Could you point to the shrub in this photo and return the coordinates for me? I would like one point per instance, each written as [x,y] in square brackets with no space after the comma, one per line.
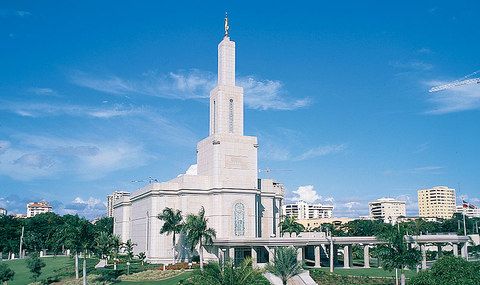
[150,275]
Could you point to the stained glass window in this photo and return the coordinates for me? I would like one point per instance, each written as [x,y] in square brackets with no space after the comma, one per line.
[231,115]
[239,216]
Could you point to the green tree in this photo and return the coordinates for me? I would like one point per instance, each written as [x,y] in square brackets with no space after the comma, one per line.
[289,225]
[198,232]
[227,274]
[102,245]
[35,265]
[395,253]
[128,247]
[142,256]
[172,224]
[285,264]
[104,224]
[449,270]
[6,273]
[115,244]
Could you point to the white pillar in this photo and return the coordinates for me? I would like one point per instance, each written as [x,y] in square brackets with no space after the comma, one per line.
[300,254]
[366,257]
[317,256]
[463,250]
[424,257]
[231,253]
[332,253]
[254,257]
[455,249]
[271,255]
[346,256]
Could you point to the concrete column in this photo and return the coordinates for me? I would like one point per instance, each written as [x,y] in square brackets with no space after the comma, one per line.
[300,254]
[317,256]
[13,256]
[332,253]
[424,257]
[220,255]
[231,253]
[439,250]
[366,257]
[254,257]
[347,256]
[455,249]
[271,255]
[463,250]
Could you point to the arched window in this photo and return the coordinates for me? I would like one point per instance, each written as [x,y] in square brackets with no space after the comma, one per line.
[231,115]
[239,216]
[214,115]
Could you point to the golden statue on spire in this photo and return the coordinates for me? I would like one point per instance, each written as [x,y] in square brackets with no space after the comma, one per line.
[226,25]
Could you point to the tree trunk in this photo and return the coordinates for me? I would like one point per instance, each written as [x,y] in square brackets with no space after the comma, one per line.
[76,265]
[402,278]
[173,248]
[200,253]
[84,270]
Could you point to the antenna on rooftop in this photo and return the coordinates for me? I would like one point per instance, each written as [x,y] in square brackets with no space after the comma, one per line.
[150,180]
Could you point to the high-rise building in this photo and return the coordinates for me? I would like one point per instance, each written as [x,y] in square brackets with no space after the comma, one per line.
[36,208]
[302,210]
[438,202]
[111,200]
[386,209]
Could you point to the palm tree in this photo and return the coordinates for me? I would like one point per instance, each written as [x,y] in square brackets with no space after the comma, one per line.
[395,253]
[172,224]
[289,225]
[197,232]
[114,242]
[142,256]
[217,273]
[285,264]
[128,247]
[103,247]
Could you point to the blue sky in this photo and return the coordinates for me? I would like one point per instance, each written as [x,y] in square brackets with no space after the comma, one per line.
[96,94]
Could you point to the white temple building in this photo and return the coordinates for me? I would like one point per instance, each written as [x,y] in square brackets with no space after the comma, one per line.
[237,204]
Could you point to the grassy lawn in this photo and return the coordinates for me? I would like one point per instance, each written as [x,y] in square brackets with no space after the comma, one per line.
[371,272]
[53,266]
[169,281]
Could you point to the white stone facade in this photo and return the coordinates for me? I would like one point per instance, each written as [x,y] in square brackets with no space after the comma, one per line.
[111,199]
[386,209]
[237,204]
[304,211]
[36,208]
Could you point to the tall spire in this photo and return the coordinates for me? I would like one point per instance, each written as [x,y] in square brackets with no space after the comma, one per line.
[226,25]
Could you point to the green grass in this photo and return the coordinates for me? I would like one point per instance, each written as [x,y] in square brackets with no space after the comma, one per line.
[53,266]
[169,281]
[370,272]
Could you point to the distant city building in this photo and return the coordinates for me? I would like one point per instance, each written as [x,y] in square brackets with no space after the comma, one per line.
[3,211]
[386,209]
[438,202]
[111,200]
[302,210]
[469,212]
[310,224]
[19,216]
[36,208]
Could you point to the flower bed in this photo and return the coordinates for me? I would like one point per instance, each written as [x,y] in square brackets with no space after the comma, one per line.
[150,275]
[178,266]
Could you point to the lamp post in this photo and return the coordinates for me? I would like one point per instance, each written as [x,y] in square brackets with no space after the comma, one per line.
[224,258]
[128,267]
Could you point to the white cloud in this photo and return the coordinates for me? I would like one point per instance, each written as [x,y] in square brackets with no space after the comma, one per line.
[413,65]
[193,84]
[41,157]
[321,151]
[456,99]
[306,193]
[11,12]
[434,170]
[45,109]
